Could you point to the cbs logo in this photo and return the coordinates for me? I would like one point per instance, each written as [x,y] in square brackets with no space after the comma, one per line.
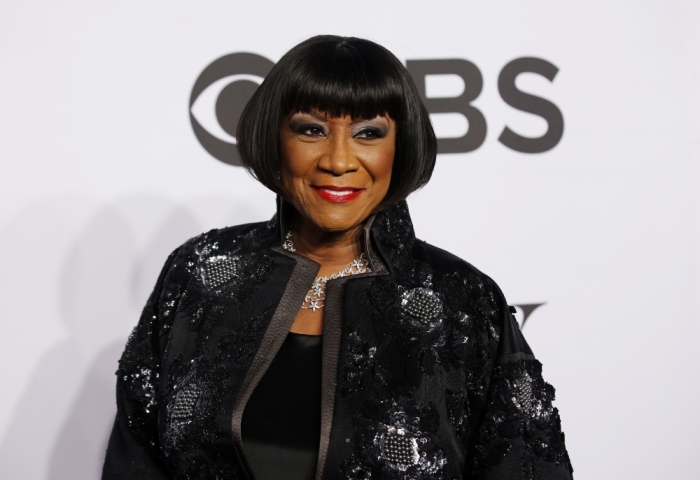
[224,87]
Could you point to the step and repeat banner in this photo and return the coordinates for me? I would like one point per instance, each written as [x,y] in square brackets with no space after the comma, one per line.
[568,172]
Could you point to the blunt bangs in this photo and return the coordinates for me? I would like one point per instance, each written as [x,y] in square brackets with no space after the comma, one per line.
[345,79]
[339,76]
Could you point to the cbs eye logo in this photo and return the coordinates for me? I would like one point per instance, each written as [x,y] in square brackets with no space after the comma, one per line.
[218,98]
[225,86]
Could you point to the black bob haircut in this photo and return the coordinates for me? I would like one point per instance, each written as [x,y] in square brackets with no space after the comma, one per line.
[339,76]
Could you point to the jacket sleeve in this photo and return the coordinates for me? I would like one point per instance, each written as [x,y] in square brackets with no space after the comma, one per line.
[133,450]
[520,436]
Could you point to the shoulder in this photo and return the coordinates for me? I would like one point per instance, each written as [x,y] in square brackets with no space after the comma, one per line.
[238,238]
[466,289]
[216,249]
[444,264]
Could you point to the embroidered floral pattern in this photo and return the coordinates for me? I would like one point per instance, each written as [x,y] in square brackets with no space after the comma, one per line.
[359,361]
[195,395]
[398,444]
[221,278]
[218,270]
[521,410]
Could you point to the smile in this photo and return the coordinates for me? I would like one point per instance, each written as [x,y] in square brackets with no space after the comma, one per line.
[337,194]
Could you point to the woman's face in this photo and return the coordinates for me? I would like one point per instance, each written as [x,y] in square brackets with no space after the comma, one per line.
[336,170]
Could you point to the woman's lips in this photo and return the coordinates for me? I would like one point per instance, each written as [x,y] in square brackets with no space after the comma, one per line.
[337,194]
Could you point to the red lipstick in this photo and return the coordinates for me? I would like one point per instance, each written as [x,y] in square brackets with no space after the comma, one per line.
[335,194]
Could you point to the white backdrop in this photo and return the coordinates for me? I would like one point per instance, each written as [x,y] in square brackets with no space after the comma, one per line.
[102,176]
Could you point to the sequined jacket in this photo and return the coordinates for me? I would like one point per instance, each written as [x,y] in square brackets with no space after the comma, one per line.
[425,372]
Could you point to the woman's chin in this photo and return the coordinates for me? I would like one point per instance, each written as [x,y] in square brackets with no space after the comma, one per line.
[336,227]
[337,224]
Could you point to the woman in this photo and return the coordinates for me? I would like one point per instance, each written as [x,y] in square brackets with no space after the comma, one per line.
[329,342]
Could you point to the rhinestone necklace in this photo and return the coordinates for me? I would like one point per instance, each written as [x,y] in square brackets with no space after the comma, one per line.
[314,300]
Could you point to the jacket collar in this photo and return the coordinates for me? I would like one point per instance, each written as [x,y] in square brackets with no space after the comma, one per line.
[388,238]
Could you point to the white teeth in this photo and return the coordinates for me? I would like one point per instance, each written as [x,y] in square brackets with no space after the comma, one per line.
[339,193]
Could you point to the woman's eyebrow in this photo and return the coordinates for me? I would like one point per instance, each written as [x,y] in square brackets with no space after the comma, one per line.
[374,122]
[316,116]
[378,119]
[299,119]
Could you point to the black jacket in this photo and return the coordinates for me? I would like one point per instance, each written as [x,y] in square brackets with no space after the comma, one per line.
[425,372]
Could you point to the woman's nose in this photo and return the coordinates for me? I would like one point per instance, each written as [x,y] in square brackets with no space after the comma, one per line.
[339,158]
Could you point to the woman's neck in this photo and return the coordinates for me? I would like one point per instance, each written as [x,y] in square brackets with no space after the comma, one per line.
[330,249]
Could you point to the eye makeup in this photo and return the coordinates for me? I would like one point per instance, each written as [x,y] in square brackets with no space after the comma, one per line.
[378,127]
[301,124]
[305,123]
[369,131]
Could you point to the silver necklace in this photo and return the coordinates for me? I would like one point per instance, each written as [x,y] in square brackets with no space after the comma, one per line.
[314,300]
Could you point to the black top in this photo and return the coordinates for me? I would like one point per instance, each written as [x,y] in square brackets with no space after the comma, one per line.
[425,371]
[282,420]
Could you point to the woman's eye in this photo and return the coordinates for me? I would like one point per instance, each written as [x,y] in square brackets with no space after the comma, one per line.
[369,134]
[311,130]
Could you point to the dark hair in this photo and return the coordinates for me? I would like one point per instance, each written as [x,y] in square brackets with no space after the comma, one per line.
[339,76]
